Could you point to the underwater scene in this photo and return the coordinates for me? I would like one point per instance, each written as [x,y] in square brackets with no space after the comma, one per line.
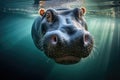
[20,58]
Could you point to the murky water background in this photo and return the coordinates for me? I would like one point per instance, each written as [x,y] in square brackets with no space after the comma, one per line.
[20,58]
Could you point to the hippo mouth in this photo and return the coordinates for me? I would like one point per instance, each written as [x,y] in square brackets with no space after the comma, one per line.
[67,60]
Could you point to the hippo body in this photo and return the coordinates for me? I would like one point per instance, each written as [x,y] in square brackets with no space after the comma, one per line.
[62,35]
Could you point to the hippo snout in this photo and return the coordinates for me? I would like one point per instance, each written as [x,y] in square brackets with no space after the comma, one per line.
[66,48]
[63,35]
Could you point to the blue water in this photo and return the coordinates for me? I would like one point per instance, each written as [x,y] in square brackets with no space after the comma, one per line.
[20,59]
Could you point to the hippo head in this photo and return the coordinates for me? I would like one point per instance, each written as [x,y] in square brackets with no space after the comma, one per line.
[62,35]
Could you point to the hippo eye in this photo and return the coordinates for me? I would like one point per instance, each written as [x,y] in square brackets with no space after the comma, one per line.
[49,16]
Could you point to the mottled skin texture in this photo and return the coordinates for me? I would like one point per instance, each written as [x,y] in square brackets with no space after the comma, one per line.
[62,34]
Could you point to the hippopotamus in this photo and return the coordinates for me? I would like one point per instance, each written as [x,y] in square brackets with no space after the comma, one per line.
[62,35]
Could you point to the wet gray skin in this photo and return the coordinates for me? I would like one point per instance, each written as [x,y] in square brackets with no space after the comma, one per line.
[63,36]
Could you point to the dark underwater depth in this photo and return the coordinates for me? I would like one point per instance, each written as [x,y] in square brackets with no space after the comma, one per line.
[20,59]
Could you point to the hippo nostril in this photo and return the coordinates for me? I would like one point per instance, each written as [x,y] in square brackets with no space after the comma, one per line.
[86,39]
[54,39]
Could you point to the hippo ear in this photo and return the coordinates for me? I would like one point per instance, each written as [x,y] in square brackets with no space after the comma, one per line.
[41,11]
[82,11]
